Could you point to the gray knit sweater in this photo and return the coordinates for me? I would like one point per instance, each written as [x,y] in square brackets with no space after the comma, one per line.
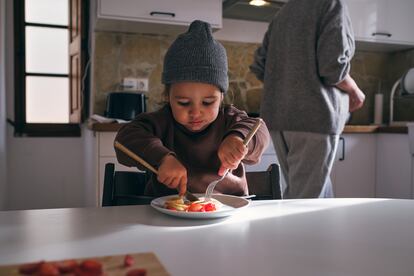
[306,50]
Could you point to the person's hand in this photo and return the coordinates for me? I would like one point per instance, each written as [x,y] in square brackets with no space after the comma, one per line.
[356,99]
[356,96]
[230,153]
[173,174]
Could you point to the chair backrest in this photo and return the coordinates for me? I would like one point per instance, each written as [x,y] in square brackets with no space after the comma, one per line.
[127,188]
[265,184]
[124,187]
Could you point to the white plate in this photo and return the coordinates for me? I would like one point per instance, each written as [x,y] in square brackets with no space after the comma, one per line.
[231,204]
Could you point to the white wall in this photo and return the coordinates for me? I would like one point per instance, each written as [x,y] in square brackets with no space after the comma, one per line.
[3,177]
[44,172]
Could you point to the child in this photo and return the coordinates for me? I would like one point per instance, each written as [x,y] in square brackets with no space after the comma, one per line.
[193,139]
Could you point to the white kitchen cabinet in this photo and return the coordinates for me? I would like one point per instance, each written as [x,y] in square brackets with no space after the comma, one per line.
[268,158]
[394,166]
[382,21]
[353,172]
[156,16]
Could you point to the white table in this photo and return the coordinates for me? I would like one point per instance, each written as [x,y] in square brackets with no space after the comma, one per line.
[318,237]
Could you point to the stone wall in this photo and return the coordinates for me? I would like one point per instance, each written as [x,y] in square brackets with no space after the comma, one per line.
[120,55]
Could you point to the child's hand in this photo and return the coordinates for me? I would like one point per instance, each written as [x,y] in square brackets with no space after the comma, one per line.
[173,174]
[230,153]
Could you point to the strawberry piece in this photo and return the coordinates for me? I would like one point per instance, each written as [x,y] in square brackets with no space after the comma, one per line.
[67,266]
[137,272]
[31,268]
[79,272]
[128,260]
[47,269]
[91,265]
[210,207]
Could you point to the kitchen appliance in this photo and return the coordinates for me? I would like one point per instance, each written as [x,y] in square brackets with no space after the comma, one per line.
[406,83]
[125,105]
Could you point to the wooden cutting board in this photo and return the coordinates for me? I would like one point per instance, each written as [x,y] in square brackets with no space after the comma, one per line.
[112,265]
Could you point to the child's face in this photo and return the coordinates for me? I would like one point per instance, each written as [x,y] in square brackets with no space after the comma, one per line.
[194,105]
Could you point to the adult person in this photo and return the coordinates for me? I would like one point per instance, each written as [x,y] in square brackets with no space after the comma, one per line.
[304,63]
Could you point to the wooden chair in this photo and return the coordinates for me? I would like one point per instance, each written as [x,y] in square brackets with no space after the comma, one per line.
[124,188]
[265,184]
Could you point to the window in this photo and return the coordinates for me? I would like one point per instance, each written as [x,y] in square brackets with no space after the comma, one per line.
[49,67]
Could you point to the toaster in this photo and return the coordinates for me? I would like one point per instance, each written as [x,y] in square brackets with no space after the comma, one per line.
[125,105]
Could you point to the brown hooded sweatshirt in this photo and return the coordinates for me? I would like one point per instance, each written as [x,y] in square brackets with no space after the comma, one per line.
[153,135]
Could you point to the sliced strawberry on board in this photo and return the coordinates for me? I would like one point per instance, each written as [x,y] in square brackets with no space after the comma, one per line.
[137,272]
[128,260]
[89,267]
[31,268]
[67,266]
[47,269]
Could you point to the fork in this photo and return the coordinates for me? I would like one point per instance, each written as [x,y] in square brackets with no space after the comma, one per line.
[212,185]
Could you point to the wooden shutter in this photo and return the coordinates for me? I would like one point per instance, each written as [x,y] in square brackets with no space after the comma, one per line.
[76,59]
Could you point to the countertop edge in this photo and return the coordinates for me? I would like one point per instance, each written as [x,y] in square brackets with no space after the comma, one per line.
[111,127]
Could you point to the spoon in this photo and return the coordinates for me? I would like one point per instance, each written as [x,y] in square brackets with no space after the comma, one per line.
[212,185]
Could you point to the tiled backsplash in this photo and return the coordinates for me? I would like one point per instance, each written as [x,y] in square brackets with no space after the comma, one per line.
[119,55]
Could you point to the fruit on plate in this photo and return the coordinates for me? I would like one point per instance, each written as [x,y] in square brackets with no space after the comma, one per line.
[179,204]
[176,203]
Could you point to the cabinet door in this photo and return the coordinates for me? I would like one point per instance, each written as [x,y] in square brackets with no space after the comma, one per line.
[167,13]
[399,19]
[353,173]
[364,17]
[394,166]
[106,144]
[160,10]
[268,158]
[382,21]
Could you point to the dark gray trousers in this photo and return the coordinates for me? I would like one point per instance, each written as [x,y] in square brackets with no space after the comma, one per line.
[306,161]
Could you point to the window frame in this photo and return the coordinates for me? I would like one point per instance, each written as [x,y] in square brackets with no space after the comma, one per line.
[71,129]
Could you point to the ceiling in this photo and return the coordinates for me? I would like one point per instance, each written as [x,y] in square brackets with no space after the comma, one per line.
[240,9]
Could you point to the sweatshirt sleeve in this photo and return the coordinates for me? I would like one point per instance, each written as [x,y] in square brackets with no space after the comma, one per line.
[336,45]
[259,63]
[241,124]
[142,136]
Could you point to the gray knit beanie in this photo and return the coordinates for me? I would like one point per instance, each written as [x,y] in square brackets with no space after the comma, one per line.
[195,56]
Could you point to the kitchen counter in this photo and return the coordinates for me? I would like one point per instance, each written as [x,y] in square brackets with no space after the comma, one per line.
[95,126]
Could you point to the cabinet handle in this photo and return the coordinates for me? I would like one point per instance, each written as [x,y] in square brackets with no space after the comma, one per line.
[382,34]
[155,13]
[342,158]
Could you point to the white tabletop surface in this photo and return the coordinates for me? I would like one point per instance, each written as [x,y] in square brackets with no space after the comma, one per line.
[318,237]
